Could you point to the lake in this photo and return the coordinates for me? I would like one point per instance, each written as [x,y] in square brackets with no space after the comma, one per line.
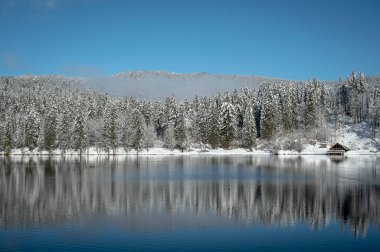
[190,203]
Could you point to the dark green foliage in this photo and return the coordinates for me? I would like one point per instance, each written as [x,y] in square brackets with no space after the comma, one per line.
[110,128]
[79,134]
[227,125]
[32,129]
[138,127]
[249,129]
[63,132]
[169,138]
[8,139]
[53,112]
[213,136]
[50,126]
[180,131]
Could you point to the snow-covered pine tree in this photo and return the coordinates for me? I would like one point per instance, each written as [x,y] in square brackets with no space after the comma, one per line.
[149,137]
[2,134]
[193,119]
[32,128]
[374,110]
[138,127]
[126,134]
[358,103]
[201,121]
[110,127]
[180,131]
[311,100]
[147,110]
[50,128]
[64,131]
[6,137]
[78,132]
[249,128]
[159,120]
[239,102]
[227,125]
[363,97]
[213,136]
[169,140]
[170,110]
[289,107]
[270,112]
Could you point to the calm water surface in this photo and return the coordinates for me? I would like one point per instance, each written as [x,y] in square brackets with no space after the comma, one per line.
[205,203]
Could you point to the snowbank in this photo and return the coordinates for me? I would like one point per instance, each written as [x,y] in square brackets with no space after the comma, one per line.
[144,152]
[308,150]
[357,137]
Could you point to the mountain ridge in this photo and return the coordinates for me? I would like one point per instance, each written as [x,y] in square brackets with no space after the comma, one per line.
[158,84]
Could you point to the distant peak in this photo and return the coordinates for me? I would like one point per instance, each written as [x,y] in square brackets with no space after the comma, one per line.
[166,74]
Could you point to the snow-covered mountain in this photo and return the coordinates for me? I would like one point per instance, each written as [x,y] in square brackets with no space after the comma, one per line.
[160,84]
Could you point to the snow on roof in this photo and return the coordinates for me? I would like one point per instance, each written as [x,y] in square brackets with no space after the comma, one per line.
[341,145]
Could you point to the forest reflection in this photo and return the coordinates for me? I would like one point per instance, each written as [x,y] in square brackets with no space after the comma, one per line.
[170,192]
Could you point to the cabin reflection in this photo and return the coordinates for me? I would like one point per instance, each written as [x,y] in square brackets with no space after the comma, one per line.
[251,190]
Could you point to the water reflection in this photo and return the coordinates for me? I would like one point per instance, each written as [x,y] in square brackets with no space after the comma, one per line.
[170,192]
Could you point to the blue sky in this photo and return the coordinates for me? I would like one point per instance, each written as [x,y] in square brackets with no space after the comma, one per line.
[289,39]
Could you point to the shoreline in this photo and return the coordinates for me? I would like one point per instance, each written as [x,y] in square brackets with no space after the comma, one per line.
[191,152]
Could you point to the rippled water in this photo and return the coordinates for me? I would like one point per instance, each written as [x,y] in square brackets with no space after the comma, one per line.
[204,203]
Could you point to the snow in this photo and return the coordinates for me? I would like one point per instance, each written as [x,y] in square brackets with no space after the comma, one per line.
[308,150]
[144,152]
[357,137]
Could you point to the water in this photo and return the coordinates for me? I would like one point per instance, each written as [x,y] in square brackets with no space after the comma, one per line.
[205,203]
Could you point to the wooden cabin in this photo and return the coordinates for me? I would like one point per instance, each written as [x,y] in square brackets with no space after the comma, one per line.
[338,150]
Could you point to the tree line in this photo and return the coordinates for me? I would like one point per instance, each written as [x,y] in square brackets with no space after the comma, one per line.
[56,113]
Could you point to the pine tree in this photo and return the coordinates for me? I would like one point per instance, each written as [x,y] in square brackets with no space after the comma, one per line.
[7,138]
[289,107]
[227,125]
[149,137]
[311,99]
[2,134]
[32,128]
[180,131]
[110,127]
[138,126]
[79,133]
[374,110]
[213,136]
[249,129]
[126,135]
[170,110]
[202,122]
[64,132]
[50,124]
[269,115]
[169,141]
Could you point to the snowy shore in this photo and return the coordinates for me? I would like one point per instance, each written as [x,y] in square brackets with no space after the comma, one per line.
[309,150]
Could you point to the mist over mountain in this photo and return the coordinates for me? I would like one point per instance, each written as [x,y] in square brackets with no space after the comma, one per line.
[160,84]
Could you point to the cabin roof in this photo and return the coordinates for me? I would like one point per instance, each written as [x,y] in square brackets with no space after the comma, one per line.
[338,145]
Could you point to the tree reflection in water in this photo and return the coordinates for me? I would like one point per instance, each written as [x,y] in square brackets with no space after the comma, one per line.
[168,192]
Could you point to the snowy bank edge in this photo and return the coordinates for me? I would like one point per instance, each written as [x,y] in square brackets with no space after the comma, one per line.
[166,152]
